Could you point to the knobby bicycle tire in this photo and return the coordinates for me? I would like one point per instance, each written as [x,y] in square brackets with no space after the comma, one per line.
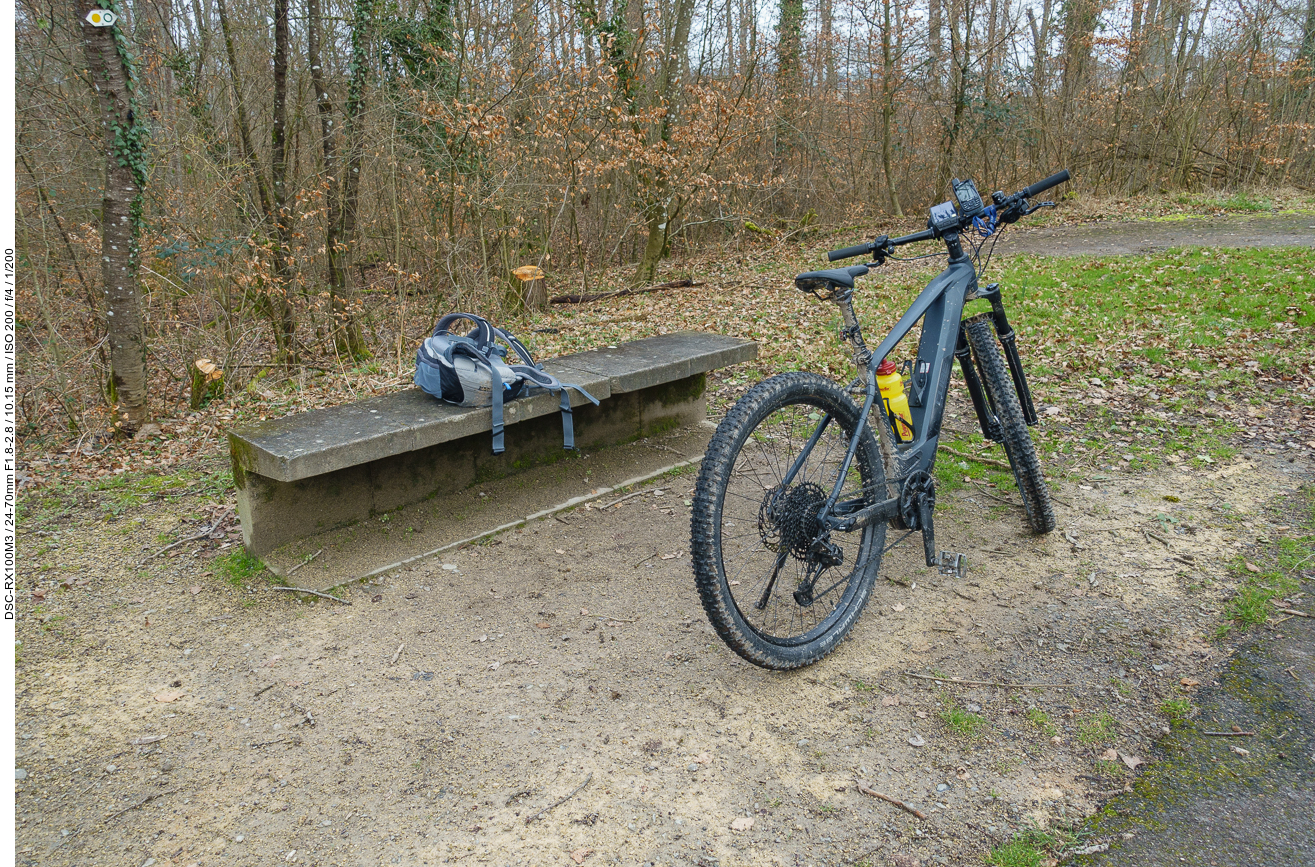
[746,527]
[1003,400]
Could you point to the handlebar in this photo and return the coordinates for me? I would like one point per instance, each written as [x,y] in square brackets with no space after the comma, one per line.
[1041,186]
[1010,208]
[851,252]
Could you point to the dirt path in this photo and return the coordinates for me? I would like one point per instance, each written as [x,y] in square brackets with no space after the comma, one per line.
[556,696]
[452,703]
[1123,238]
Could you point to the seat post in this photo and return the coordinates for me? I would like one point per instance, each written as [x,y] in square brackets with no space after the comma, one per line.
[852,331]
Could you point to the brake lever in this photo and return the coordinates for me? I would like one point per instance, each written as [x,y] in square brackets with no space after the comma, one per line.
[1038,207]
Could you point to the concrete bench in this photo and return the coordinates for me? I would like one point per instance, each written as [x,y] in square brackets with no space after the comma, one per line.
[315,471]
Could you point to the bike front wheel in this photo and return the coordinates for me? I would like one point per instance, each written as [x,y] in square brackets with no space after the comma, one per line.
[775,595]
[1003,401]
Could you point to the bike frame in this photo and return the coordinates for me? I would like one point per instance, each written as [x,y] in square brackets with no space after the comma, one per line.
[940,308]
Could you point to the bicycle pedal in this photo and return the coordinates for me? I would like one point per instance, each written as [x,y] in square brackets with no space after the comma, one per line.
[952,563]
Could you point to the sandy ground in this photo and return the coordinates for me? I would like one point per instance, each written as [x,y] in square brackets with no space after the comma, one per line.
[556,696]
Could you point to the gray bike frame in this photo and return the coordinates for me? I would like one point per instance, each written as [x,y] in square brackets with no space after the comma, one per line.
[940,307]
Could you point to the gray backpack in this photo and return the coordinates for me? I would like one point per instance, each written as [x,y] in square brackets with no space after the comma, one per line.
[473,370]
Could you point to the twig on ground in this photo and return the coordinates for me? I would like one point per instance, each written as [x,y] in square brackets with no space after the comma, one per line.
[201,535]
[263,690]
[311,592]
[868,790]
[614,619]
[140,803]
[1007,502]
[621,499]
[307,560]
[1229,734]
[1295,613]
[967,457]
[1293,673]
[278,740]
[963,595]
[987,682]
[559,802]
[943,629]
[1156,536]
[646,559]
[398,653]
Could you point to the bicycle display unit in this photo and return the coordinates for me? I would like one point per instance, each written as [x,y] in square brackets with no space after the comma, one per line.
[800,483]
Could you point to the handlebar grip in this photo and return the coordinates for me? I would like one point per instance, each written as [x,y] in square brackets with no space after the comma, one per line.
[849,252]
[1041,186]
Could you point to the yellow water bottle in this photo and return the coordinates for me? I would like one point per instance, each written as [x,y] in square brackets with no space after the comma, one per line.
[897,405]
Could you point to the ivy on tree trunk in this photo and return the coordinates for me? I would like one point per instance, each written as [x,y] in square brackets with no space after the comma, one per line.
[112,72]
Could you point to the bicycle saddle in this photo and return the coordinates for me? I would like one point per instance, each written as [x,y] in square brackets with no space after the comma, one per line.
[835,277]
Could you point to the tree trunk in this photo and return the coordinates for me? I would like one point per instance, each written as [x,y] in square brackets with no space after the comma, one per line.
[111,71]
[789,74]
[243,121]
[934,47]
[350,183]
[346,332]
[827,47]
[670,86]
[280,304]
[888,74]
[1307,52]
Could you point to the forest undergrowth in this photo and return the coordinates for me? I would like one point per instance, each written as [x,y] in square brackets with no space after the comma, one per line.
[1221,340]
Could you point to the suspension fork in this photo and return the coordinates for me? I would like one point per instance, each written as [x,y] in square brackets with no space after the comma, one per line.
[990,424]
[1008,339]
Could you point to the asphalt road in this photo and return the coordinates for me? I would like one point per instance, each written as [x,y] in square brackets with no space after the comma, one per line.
[1205,801]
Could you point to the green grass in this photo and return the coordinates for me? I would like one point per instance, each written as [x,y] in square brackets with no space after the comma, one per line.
[1099,729]
[238,567]
[963,723]
[1176,709]
[111,496]
[1038,718]
[1255,597]
[1110,768]
[1030,847]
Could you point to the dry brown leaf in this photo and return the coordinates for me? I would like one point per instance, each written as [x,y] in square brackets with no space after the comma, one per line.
[890,701]
[1190,682]
[743,823]
[1131,761]
[579,855]
[898,606]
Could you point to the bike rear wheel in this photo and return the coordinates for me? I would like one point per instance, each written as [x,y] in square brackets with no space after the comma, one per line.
[772,600]
[1003,401]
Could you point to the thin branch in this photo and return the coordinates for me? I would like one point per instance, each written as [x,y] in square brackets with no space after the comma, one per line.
[559,802]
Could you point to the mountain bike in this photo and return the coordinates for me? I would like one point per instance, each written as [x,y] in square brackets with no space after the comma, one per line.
[800,482]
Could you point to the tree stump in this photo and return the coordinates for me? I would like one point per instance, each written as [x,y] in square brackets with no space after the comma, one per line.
[534,287]
[207,382]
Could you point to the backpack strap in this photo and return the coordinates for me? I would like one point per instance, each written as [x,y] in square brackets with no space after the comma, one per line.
[515,344]
[471,349]
[546,380]
[482,334]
